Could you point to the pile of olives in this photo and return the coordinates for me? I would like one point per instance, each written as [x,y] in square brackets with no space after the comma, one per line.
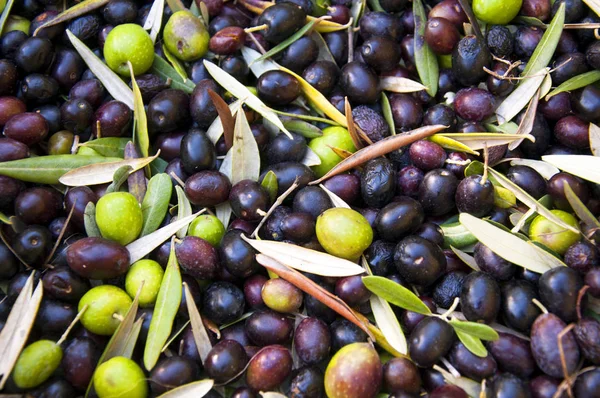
[397,213]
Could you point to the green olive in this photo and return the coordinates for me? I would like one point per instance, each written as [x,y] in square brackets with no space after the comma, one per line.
[119,217]
[281,296]
[120,377]
[354,371]
[148,272]
[185,36]
[344,232]
[60,143]
[207,227]
[15,22]
[107,305]
[336,137]
[552,235]
[36,363]
[129,42]
[497,12]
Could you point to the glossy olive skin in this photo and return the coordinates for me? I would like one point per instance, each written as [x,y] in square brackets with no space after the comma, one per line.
[287,173]
[338,46]
[480,298]
[322,75]
[437,192]
[419,261]
[354,371]
[556,186]
[197,257]
[311,200]
[268,327]
[268,368]
[197,152]
[381,53]
[399,218]
[298,227]
[34,54]
[202,109]
[307,382]
[33,245]
[168,111]
[448,288]
[400,374]
[77,115]
[512,354]
[64,284]
[247,198]
[115,119]
[281,148]
[545,349]
[312,340]
[79,197]
[468,59]
[98,258]
[378,182]
[9,107]
[441,35]
[9,265]
[79,361]
[300,54]
[561,282]
[283,20]
[223,302]
[517,309]
[28,128]
[225,360]
[344,332]
[38,205]
[429,341]
[360,83]
[67,68]
[380,24]
[471,365]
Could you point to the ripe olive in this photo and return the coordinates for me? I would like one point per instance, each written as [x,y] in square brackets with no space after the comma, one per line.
[269,368]
[354,371]
[360,83]
[544,345]
[419,261]
[344,232]
[312,340]
[98,258]
[266,327]
[225,361]
[429,341]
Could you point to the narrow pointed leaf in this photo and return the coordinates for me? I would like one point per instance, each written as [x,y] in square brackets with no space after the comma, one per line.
[5,13]
[465,258]
[472,388]
[165,310]
[508,246]
[110,80]
[311,158]
[336,200]
[545,169]
[154,20]
[272,394]
[594,132]
[306,260]
[520,97]
[136,182]
[576,82]
[425,60]
[132,339]
[225,117]
[113,147]
[245,156]
[387,113]
[579,208]
[162,68]
[76,11]
[287,42]
[594,5]
[504,198]
[139,248]
[100,173]
[201,338]
[223,213]
[216,129]
[479,330]
[176,5]
[184,209]
[139,113]
[396,294]
[119,178]
[451,144]
[14,317]
[49,169]
[156,202]
[270,184]
[380,148]
[324,52]
[388,323]
[89,220]
[175,63]
[472,343]
[544,51]
[257,67]
[197,389]
[527,121]
[303,128]
[400,84]
[584,166]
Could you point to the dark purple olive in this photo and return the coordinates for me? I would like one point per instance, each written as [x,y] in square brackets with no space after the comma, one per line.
[359,83]
[268,327]
[406,111]
[225,361]
[480,297]
[29,128]
[400,374]
[38,205]
[561,282]
[202,108]
[64,284]
[269,368]
[112,119]
[437,191]
[441,35]
[79,361]
[512,354]
[197,257]
[471,365]
[469,57]
[556,186]
[312,340]
[572,132]
[419,261]
[545,333]
[98,258]
[587,332]
[399,218]
[474,104]
[90,90]
[207,188]
[429,341]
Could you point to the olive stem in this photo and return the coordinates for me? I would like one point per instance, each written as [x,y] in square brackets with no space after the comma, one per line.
[73,323]
[277,203]
[452,308]
[580,296]
[453,371]
[540,305]
[176,178]
[563,361]
[75,144]
[256,28]
[118,316]
[261,49]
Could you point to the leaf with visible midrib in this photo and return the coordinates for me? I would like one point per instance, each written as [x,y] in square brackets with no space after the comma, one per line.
[139,114]
[156,202]
[5,13]
[545,49]
[579,208]
[77,10]
[425,60]
[584,166]
[245,156]
[472,343]
[479,330]
[203,344]
[162,68]
[165,310]
[184,209]
[197,389]
[109,146]
[93,174]
[395,294]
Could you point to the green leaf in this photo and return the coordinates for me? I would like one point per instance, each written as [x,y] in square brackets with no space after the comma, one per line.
[48,169]
[5,219]
[451,144]
[456,235]
[5,14]
[303,128]
[476,329]
[508,246]
[176,5]
[530,21]
[158,166]
[77,10]
[110,146]
[579,81]
[472,343]
[425,60]
[579,208]
[165,310]
[177,65]
[197,389]
[203,344]
[110,80]
[270,184]
[119,178]
[184,209]
[504,198]
[245,157]
[139,113]
[162,68]
[287,42]
[477,141]
[387,113]
[584,166]
[156,202]
[89,220]
[465,258]
[545,49]
[375,5]
[395,294]
[520,97]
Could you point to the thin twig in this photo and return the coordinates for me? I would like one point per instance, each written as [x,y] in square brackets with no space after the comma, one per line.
[277,203]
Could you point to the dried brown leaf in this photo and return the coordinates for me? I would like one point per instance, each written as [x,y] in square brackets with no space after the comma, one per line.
[227,120]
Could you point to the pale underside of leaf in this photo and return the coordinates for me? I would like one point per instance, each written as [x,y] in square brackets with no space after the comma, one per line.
[594,132]
[477,141]
[527,121]
[306,260]
[184,209]
[311,158]
[154,20]
[520,97]
[101,173]
[388,323]
[580,209]
[545,169]
[110,80]
[400,84]
[594,5]
[272,394]
[223,212]
[584,166]
[197,389]
[245,157]
[201,338]
[336,200]
[466,258]
[257,67]
[472,388]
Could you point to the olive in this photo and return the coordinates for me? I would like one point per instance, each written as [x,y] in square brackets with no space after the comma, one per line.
[98,258]
[429,341]
[407,112]
[298,227]
[225,361]
[281,296]
[312,340]
[491,263]
[419,261]
[360,83]
[587,383]
[77,115]
[9,265]
[475,196]
[354,371]
[400,374]
[474,104]
[409,180]
[266,327]
[38,205]
[223,302]
[9,107]
[282,20]
[307,382]
[35,54]
[197,152]
[585,102]
[78,198]
[509,385]
[248,199]
[29,128]
[112,119]
[64,284]
[471,365]
[167,111]
[79,361]
[150,85]
[56,388]
[441,35]
[546,351]
[371,122]
[90,90]
[197,257]
[499,86]
[582,256]
[468,59]
[440,114]
[512,354]
[379,23]
[269,367]
[252,291]
[301,53]
[571,131]
[8,77]
[67,68]
[202,109]
[344,233]
[381,53]
[282,148]
[517,308]
[54,317]
[587,331]
[543,386]
[10,42]
[427,155]
[337,42]
[273,228]
[448,288]
[437,192]
[322,75]
[344,332]
[378,182]
[564,283]
[480,297]
[450,10]
[236,66]
[399,218]
[311,200]
[556,186]
[120,376]
[289,172]
[36,363]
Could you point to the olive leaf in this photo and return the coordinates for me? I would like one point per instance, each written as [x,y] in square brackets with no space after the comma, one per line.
[584,166]
[184,209]
[196,389]
[139,248]
[305,260]
[110,146]
[400,84]
[175,63]
[109,79]
[380,148]
[18,325]
[269,183]
[387,113]
[576,82]
[544,51]
[153,21]
[139,115]
[5,14]
[225,117]
[324,52]
[136,181]
[594,132]
[357,10]
[504,198]
[287,42]
[396,294]
[336,200]
[594,5]
[472,388]
[527,120]
[530,21]
[89,220]
[165,310]
[156,202]
[48,169]
[158,166]
[100,173]
[272,394]
[375,5]
[579,208]
[425,59]
[472,343]
[508,246]
[478,141]
[520,97]
[240,91]
[479,330]
[176,5]
[309,118]
[216,129]
[75,11]
[257,67]
[5,219]
[465,258]
[162,68]
[303,128]
[201,338]
[245,157]
[545,169]
[119,178]
[451,144]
